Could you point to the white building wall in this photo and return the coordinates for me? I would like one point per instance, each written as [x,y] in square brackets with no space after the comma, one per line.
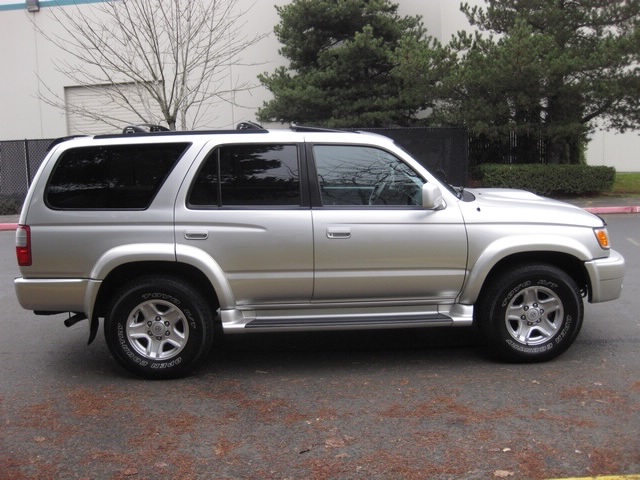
[619,150]
[25,55]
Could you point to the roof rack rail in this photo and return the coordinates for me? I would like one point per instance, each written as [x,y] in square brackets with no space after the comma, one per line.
[307,128]
[60,140]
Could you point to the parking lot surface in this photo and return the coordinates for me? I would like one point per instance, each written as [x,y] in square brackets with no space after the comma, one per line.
[410,404]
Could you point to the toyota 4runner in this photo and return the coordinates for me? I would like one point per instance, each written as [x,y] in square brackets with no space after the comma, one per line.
[166,234]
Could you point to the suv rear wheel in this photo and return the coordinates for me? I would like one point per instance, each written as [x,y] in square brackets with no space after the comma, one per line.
[530,313]
[159,327]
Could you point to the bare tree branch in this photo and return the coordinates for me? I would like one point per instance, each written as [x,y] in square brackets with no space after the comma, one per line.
[162,60]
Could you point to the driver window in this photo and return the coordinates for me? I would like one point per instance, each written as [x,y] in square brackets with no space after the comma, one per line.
[355,175]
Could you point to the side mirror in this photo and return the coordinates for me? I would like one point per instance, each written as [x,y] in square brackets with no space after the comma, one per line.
[432,197]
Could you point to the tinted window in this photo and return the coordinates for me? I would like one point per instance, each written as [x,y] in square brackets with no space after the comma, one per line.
[241,175]
[113,177]
[355,175]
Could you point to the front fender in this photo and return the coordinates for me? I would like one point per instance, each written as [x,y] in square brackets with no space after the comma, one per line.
[481,264]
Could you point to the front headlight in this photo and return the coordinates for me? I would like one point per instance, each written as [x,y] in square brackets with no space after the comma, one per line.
[603,237]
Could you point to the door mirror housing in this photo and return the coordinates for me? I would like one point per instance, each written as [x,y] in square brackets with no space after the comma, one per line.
[432,197]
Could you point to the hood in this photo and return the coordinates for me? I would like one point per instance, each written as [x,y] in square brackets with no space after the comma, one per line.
[505,205]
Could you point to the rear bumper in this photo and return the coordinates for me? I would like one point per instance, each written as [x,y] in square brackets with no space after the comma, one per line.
[56,295]
[606,276]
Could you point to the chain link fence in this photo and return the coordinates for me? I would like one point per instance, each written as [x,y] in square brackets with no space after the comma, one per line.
[19,161]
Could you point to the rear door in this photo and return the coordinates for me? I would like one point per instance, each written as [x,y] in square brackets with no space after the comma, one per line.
[373,240]
[246,210]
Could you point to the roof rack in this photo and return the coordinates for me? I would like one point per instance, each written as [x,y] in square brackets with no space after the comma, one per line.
[307,128]
[144,130]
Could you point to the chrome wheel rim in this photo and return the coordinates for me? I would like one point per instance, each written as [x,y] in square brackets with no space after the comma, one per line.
[157,330]
[534,316]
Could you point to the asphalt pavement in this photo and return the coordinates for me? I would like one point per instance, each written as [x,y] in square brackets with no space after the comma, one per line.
[385,405]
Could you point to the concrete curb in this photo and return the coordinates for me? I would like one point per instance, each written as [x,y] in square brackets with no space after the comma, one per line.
[603,210]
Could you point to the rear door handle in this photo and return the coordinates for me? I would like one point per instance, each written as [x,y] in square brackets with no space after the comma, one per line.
[338,232]
[191,235]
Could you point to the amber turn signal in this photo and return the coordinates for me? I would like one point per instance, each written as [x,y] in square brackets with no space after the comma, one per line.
[603,237]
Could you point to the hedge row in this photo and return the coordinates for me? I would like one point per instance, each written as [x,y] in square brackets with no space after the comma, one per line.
[549,179]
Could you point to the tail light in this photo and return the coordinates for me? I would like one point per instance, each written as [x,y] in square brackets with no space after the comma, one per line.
[23,245]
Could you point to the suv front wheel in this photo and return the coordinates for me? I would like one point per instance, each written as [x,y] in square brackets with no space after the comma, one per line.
[530,313]
[159,327]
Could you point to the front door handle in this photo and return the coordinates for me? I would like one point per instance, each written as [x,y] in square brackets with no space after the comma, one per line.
[338,233]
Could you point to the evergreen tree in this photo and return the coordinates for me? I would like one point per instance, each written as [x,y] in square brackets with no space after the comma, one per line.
[546,68]
[342,56]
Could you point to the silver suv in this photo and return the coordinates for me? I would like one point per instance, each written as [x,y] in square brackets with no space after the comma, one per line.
[164,235]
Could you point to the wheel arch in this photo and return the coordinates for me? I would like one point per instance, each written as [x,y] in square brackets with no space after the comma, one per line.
[571,265]
[131,271]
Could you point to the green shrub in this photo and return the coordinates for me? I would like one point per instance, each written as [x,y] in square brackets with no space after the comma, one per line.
[549,179]
[9,205]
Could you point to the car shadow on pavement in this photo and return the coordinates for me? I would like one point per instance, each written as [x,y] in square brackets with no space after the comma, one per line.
[333,349]
[294,351]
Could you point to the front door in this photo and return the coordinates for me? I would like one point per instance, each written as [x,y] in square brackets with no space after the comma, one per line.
[373,240]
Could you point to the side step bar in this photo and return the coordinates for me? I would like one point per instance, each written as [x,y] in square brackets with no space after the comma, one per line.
[236,321]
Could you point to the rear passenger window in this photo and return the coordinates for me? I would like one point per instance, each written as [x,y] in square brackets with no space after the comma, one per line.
[111,177]
[248,175]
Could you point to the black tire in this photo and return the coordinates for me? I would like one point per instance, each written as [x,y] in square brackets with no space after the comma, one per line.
[531,313]
[159,327]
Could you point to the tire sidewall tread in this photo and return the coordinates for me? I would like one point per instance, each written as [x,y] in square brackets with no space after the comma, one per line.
[198,316]
[504,287]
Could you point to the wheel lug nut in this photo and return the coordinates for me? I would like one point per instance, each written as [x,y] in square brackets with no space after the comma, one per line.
[158,338]
[167,333]
[149,333]
[166,323]
[535,305]
[523,317]
[526,307]
[149,323]
[158,319]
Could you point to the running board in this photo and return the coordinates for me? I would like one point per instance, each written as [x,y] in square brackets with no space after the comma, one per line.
[338,323]
[235,321]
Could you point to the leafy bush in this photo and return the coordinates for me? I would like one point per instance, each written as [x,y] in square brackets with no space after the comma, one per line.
[549,179]
[9,205]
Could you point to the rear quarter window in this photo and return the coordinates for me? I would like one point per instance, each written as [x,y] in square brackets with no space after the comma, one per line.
[111,177]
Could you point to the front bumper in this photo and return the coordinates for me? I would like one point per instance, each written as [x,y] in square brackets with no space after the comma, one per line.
[606,276]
